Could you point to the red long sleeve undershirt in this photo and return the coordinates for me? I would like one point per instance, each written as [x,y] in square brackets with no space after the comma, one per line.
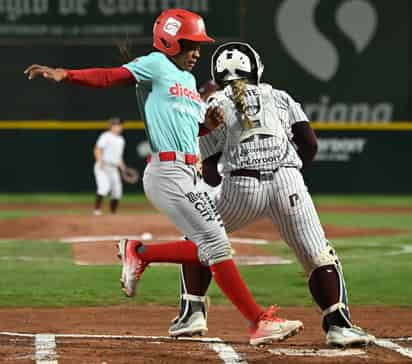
[106,77]
[100,77]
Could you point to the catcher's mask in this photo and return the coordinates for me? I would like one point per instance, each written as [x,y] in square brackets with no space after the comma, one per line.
[234,61]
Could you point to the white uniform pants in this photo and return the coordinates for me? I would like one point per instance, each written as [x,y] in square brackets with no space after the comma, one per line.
[108,180]
[173,188]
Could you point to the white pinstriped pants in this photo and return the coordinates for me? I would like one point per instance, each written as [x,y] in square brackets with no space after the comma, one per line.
[285,200]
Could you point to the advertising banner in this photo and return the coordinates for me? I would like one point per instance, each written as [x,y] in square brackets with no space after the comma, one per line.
[361,162]
[345,61]
[105,18]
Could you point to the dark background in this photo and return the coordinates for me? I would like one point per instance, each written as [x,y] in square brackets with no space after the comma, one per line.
[62,160]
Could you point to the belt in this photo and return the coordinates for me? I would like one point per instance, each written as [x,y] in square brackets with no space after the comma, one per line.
[253,173]
[172,156]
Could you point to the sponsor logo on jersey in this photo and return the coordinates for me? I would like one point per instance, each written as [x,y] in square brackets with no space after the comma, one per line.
[179,90]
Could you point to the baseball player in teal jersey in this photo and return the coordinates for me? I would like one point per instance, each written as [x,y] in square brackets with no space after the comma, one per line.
[172,112]
[265,139]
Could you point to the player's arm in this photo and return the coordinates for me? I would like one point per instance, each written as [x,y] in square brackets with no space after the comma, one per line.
[214,116]
[211,147]
[98,155]
[144,68]
[122,165]
[305,139]
[92,77]
[302,133]
[210,171]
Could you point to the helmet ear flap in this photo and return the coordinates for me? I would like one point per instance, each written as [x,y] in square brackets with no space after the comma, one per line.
[165,43]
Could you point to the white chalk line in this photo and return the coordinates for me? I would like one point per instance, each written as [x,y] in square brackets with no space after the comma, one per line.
[147,236]
[407,338]
[390,345]
[150,237]
[118,337]
[46,345]
[45,349]
[223,349]
[227,354]
[318,352]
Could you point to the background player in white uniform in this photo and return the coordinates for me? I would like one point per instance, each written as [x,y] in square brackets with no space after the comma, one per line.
[108,153]
[172,111]
[262,145]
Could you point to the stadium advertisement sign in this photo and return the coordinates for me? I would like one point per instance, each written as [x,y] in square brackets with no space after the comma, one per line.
[360,162]
[337,57]
[104,18]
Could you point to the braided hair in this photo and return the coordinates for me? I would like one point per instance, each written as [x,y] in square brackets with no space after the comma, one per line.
[239,98]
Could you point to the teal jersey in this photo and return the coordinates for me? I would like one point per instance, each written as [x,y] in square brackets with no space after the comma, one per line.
[173,106]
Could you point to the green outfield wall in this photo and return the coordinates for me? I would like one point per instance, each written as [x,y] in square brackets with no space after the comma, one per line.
[349,160]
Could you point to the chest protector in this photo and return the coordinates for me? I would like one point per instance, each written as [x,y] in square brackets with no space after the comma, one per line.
[263,141]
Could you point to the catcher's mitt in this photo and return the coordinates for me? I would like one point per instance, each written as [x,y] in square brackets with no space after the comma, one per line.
[130,175]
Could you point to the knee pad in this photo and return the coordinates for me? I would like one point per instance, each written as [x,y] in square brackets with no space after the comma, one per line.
[214,252]
[326,257]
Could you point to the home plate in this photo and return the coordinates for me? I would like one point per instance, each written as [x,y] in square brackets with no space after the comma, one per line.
[317,352]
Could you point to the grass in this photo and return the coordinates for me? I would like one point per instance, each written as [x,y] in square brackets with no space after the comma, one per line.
[50,279]
[340,200]
[364,200]
[59,198]
[15,214]
[375,220]
[42,273]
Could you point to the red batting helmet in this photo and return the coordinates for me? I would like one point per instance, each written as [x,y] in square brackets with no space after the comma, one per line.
[175,24]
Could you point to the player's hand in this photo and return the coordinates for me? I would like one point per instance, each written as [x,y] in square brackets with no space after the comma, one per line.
[214,117]
[52,74]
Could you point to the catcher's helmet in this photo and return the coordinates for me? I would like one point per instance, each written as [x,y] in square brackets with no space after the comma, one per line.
[234,61]
[172,25]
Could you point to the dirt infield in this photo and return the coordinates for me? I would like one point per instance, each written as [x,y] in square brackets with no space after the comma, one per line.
[148,321]
[54,226]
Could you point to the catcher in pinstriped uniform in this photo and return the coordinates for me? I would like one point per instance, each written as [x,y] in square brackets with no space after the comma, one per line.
[264,142]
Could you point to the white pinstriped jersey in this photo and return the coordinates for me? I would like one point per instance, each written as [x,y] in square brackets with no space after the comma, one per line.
[282,195]
[272,113]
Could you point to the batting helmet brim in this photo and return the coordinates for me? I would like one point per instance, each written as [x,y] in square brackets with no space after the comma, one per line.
[201,38]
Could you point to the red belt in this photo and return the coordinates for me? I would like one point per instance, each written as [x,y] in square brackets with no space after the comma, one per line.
[171,156]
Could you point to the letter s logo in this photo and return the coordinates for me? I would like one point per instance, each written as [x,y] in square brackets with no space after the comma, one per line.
[357,19]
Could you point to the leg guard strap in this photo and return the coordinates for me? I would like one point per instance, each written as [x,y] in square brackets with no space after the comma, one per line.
[333,308]
[193,298]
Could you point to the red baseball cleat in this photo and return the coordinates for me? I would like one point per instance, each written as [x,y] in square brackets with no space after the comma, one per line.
[272,328]
[133,266]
